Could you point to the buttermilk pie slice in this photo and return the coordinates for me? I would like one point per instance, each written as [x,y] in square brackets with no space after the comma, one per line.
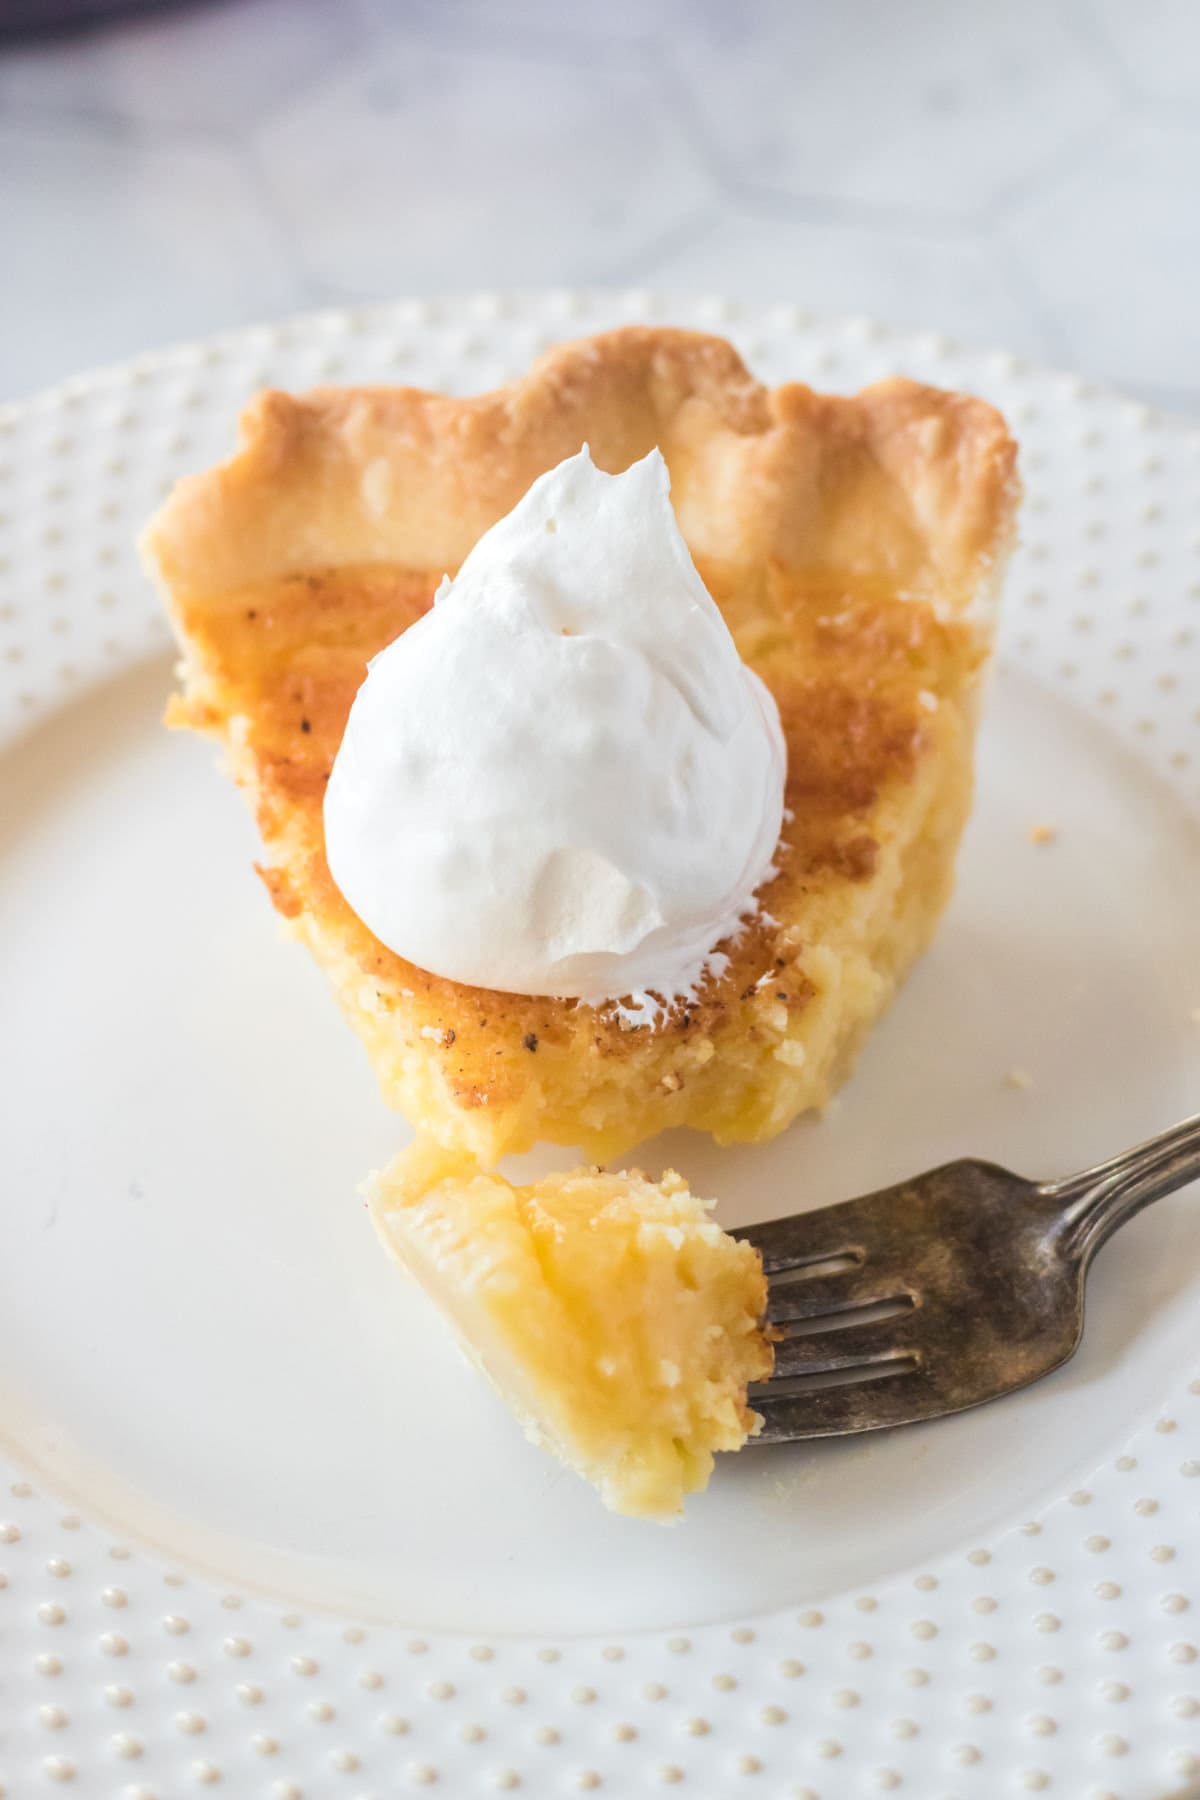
[854,547]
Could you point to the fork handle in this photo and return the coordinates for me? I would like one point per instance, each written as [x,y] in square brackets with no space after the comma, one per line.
[1098,1201]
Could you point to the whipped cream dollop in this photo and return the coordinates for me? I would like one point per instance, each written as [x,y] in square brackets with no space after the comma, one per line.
[562,779]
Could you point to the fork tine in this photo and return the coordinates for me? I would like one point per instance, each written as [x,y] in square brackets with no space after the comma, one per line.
[824,1296]
[835,1411]
[855,1346]
[812,1237]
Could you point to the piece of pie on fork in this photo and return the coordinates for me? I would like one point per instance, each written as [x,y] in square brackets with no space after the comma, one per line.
[855,547]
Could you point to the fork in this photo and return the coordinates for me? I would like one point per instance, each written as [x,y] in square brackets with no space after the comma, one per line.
[956,1287]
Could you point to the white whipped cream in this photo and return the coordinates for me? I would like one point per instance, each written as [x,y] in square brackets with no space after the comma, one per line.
[563,779]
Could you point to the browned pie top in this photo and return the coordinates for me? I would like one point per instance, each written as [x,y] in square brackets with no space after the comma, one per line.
[847,670]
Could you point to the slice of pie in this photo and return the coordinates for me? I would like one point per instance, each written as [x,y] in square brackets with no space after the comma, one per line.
[854,546]
[617,1319]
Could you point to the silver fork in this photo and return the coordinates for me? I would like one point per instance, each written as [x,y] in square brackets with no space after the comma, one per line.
[942,1292]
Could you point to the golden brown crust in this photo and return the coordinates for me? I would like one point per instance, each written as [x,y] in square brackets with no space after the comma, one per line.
[846,542]
[900,482]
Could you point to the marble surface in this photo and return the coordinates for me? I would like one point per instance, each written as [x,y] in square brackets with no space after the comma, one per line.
[1022,174]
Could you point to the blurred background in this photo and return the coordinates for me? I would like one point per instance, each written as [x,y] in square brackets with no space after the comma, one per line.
[1024,173]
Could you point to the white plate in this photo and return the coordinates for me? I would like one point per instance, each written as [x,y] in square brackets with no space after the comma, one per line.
[280,1472]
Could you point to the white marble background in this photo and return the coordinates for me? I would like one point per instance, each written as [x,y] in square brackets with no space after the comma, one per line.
[1023,173]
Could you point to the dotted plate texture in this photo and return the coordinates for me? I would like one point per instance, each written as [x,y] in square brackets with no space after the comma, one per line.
[1061,1654]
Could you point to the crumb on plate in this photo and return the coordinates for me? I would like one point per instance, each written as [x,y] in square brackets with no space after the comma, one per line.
[1019,1078]
[1042,834]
